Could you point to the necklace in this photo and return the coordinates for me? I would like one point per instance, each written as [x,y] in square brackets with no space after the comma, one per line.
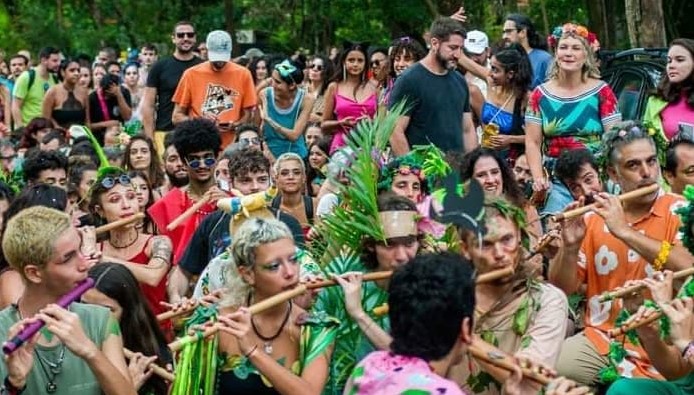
[54,368]
[130,244]
[267,346]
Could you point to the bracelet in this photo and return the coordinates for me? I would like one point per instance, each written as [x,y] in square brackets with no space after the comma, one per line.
[9,389]
[248,354]
[165,259]
[663,255]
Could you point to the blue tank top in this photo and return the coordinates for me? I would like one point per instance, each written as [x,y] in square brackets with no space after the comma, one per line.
[503,118]
[276,142]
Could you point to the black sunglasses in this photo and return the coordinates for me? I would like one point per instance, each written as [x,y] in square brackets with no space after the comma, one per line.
[375,63]
[109,182]
[185,34]
[250,140]
[317,67]
[196,162]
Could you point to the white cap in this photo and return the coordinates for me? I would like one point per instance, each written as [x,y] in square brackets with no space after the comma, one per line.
[476,42]
[218,46]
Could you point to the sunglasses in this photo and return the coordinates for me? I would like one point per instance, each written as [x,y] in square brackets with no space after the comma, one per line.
[375,63]
[109,182]
[404,40]
[196,162]
[185,34]
[317,67]
[250,140]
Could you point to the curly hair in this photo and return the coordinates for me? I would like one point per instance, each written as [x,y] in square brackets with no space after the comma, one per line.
[196,135]
[39,161]
[570,162]
[511,190]
[428,300]
[671,92]
[246,161]
[622,134]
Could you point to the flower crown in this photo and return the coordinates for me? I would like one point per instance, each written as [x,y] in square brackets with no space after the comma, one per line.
[572,29]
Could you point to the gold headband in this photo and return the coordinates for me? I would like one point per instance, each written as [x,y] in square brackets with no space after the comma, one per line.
[398,223]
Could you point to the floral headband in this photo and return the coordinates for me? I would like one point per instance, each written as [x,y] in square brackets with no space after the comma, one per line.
[572,29]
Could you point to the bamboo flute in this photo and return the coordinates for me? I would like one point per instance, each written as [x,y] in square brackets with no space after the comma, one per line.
[121,222]
[156,369]
[623,197]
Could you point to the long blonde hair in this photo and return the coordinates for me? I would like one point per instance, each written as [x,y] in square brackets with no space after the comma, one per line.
[590,67]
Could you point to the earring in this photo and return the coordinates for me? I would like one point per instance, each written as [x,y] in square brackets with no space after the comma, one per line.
[344,73]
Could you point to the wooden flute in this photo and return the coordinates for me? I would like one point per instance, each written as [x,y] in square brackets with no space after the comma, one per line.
[620,293]
[184,216]
[623,197]
[633,325]
[121,222]
[156,369]
[256,308]
[373,276]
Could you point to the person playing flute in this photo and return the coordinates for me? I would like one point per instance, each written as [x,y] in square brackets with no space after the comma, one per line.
[673,357]
[79,351]
[614,243]
[519,314]
[197,142]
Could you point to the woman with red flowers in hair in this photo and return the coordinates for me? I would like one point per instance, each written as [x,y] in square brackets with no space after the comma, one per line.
[571,110]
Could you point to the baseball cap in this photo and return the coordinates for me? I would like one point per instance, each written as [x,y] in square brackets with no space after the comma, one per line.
[476,42]
[218,46]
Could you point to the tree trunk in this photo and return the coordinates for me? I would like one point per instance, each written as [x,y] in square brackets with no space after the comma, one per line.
[229,26]
[597,13]
[652,26]
[645,23]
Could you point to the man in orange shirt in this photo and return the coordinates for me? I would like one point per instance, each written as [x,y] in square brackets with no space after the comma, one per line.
[613,244]
[217,89]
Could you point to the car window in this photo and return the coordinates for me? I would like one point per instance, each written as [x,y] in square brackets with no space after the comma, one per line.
[628,88]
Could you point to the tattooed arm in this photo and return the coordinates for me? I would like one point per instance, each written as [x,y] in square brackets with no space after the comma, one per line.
[159,250]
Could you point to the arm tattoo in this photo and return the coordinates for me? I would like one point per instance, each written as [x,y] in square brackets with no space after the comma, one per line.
[161,248]
[113,326]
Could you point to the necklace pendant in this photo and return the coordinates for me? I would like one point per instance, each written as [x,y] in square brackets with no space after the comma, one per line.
[55,369]
[51,387]
[268,348]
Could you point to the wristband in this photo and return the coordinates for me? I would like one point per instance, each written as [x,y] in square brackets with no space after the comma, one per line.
[9,389]
[248,355]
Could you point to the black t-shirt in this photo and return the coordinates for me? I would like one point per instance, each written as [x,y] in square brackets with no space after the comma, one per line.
[164,76]
[212,237]
[435,105]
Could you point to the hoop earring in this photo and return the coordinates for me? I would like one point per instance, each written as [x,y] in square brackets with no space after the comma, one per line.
[344,73]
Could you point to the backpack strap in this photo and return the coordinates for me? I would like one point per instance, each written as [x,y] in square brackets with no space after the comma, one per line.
[308,207]
[276,202]
[32,78]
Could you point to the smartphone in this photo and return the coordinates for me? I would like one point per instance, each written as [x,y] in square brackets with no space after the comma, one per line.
[224,185]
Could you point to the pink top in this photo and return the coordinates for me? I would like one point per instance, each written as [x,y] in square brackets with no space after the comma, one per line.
[384,373]
[346,107]
[675,114]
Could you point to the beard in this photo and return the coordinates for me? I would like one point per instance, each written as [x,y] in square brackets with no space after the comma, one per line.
[443,62]
[177,181]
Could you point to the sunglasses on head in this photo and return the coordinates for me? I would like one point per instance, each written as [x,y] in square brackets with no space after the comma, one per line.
[185,34]
[109,182]
[286,69]
[196,162]
[250,140]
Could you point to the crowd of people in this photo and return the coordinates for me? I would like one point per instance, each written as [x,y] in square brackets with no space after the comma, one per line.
[439,185]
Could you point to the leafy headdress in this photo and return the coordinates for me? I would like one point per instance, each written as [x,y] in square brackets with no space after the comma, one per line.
[625,132]
[104,167]
[425,161]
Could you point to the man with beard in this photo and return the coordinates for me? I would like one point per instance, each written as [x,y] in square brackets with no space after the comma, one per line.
[176,174]
[613,244]
[521,172]
[437,97]
[32,85]
[197,142]
[519,29]
[578,171]
[249,171]
[162,81]
[217,89]
[679,162]
[518,314]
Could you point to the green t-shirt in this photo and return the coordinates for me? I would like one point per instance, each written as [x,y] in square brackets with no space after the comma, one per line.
[75,377]
[32,97]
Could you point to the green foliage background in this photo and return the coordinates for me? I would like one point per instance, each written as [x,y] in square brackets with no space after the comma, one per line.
[281,25]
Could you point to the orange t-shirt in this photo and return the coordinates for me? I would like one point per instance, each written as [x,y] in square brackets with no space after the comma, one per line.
[605,263]
[222,94]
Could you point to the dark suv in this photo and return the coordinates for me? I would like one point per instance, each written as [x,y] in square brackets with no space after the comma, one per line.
[633,75]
